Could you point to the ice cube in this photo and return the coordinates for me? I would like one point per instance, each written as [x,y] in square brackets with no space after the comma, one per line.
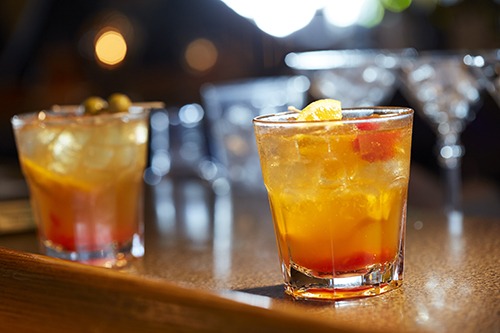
[111,134]
[375,202]
[33,141]
[66,149]
[334,173]
[46,135]
[394,170]
[97,157]
[124,156]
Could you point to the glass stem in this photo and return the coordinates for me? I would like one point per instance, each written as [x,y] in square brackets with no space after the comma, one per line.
[450,159]
[453,187]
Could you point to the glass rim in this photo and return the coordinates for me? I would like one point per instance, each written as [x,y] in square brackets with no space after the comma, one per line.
[386,112]
[73,114]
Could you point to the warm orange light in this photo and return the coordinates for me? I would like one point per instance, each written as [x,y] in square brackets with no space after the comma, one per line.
[201,55]
[110,48]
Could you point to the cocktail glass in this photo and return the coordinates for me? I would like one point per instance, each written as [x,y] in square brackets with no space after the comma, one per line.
[85,179]
[444,93]
[360,77]
[338,191]
[485,65]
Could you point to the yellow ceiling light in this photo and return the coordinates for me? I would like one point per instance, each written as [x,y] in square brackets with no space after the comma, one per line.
[110,48]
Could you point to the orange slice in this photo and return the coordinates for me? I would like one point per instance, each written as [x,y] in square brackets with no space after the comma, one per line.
[323,109]
[50,180]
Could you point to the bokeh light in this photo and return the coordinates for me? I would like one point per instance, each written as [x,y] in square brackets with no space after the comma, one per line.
[201,55]
[281,18]
[110,48]
[278,18]
[366,13]
[396,5]
[344,13]
[372,14]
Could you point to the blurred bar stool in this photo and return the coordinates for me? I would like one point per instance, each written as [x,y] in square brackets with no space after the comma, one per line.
[230,108]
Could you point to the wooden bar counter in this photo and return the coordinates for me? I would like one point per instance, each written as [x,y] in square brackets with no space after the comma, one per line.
[211,265]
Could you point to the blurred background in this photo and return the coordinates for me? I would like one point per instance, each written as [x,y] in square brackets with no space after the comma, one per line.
[60,52]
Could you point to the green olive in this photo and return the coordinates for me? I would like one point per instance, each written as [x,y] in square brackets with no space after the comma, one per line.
[119,103]
[94,105]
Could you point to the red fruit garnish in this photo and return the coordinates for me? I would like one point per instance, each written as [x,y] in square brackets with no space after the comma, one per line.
[368,126]
[374,146]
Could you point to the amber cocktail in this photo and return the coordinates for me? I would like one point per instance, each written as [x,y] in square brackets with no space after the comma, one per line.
[338,192]
[85,178]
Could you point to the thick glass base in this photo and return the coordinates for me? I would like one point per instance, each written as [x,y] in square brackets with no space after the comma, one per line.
[112,256]
[302,284]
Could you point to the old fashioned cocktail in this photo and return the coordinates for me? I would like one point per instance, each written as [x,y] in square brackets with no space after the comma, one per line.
[85,178]
[338,191]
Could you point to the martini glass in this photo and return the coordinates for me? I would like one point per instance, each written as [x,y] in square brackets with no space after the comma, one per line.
[485,65]
[446,95]
[365,77]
